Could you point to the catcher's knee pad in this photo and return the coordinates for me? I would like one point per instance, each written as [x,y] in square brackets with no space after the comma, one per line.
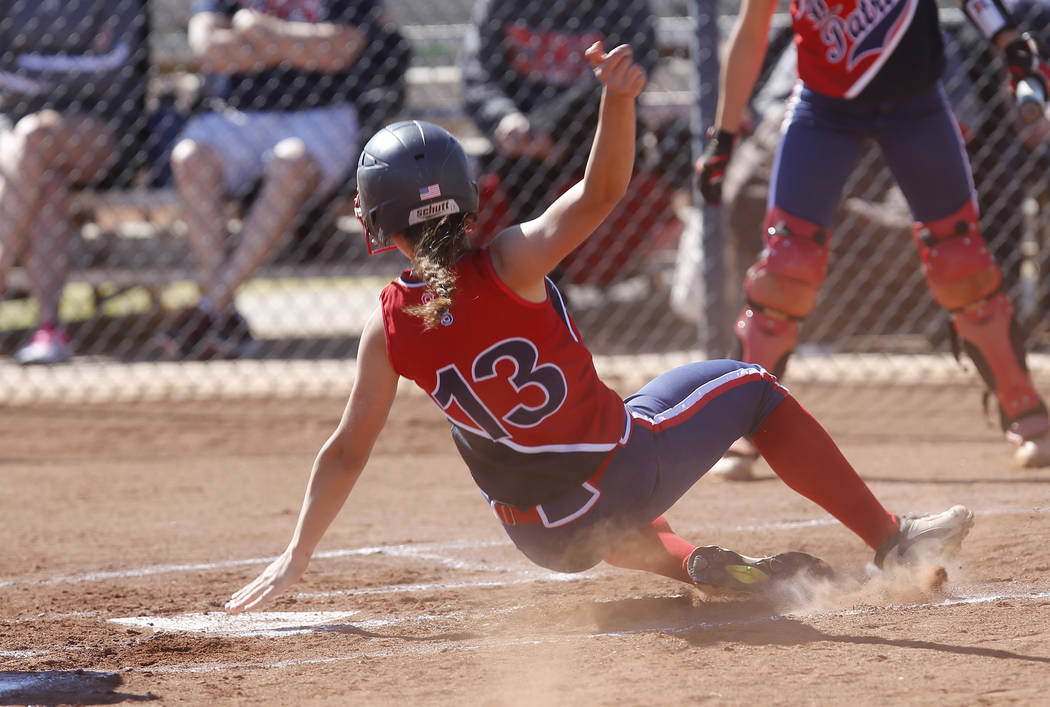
[960,270]
[764,339]
[994,341]
[792,267]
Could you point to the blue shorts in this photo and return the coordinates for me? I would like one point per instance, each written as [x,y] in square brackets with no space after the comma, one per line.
[681,424]
[919,138]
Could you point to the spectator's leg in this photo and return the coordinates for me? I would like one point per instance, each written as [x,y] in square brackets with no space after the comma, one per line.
[58,151]
[50,242]
[44,155]
[291,177]
[12,211]
[200,182]
[23,172]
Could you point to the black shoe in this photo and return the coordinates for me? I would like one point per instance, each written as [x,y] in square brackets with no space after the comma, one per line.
[230,337]
[198,334]
[719,568]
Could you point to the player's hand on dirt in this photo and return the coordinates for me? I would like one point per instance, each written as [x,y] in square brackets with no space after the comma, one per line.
[617,69]
[711,167]
[281,574]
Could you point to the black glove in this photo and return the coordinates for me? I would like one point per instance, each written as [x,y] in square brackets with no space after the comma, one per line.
[1024,60]
[711,167]
[1029,76]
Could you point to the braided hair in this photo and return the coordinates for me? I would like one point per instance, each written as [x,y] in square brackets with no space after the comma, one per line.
[437,245]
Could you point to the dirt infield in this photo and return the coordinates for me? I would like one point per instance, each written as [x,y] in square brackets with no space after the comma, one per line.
[125,527]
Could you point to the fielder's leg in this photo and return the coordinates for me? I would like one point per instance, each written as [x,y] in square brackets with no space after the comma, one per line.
[965,280]
[927,155]
[781,290]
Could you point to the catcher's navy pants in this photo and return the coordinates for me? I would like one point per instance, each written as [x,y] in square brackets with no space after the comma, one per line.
[681,424]
[918,136]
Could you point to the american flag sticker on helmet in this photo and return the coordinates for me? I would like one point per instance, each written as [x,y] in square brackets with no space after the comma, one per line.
[431,192]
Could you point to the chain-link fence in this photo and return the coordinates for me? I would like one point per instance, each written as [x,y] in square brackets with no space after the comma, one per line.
[178,187]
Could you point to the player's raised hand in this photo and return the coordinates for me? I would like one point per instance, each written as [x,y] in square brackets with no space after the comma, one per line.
[281,574]
[617,69]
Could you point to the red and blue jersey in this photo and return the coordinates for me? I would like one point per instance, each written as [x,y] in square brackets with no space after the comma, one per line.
[869,49]
[529,414]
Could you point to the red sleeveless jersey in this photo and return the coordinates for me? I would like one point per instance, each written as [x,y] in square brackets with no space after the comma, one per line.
[502,368]
[842,45]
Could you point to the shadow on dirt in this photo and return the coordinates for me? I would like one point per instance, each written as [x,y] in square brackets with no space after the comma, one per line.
[752,622]
[59,687]
[682,614]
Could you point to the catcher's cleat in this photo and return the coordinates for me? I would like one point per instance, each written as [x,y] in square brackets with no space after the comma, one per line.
[721,569]
[926,538]
[1032,453]
[734,467]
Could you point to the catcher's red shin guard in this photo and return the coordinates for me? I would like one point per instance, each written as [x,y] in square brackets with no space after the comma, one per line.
[781,288]
[959,269]
[765,340]
[793,265]
[993,340]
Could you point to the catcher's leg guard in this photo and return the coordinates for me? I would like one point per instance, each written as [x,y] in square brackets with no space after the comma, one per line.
[765,340]
[993,340]
[960,270]
[965,279]
[781,289]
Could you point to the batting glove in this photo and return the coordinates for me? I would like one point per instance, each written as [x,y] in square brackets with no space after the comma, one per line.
[711,167]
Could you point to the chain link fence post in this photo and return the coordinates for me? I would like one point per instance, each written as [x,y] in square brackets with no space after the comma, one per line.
[712,263]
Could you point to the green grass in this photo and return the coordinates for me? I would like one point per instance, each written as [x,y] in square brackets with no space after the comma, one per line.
[79,303]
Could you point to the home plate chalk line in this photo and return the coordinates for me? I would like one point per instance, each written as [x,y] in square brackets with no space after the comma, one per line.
[269,624]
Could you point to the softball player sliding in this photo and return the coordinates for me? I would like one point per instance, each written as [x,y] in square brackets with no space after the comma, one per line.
[871,70]
[573,472]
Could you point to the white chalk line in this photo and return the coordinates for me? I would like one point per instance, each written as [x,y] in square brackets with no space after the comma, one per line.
[421,551]
[408,649]
[280,624]
[264,624]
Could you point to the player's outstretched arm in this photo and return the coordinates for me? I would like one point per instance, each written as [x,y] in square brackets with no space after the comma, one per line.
[336,468]
[523,255]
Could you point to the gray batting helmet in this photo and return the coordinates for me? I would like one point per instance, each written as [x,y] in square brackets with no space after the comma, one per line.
[410,172]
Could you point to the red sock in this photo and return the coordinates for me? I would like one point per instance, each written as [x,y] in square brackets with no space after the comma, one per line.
[805,457]
[654,548]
